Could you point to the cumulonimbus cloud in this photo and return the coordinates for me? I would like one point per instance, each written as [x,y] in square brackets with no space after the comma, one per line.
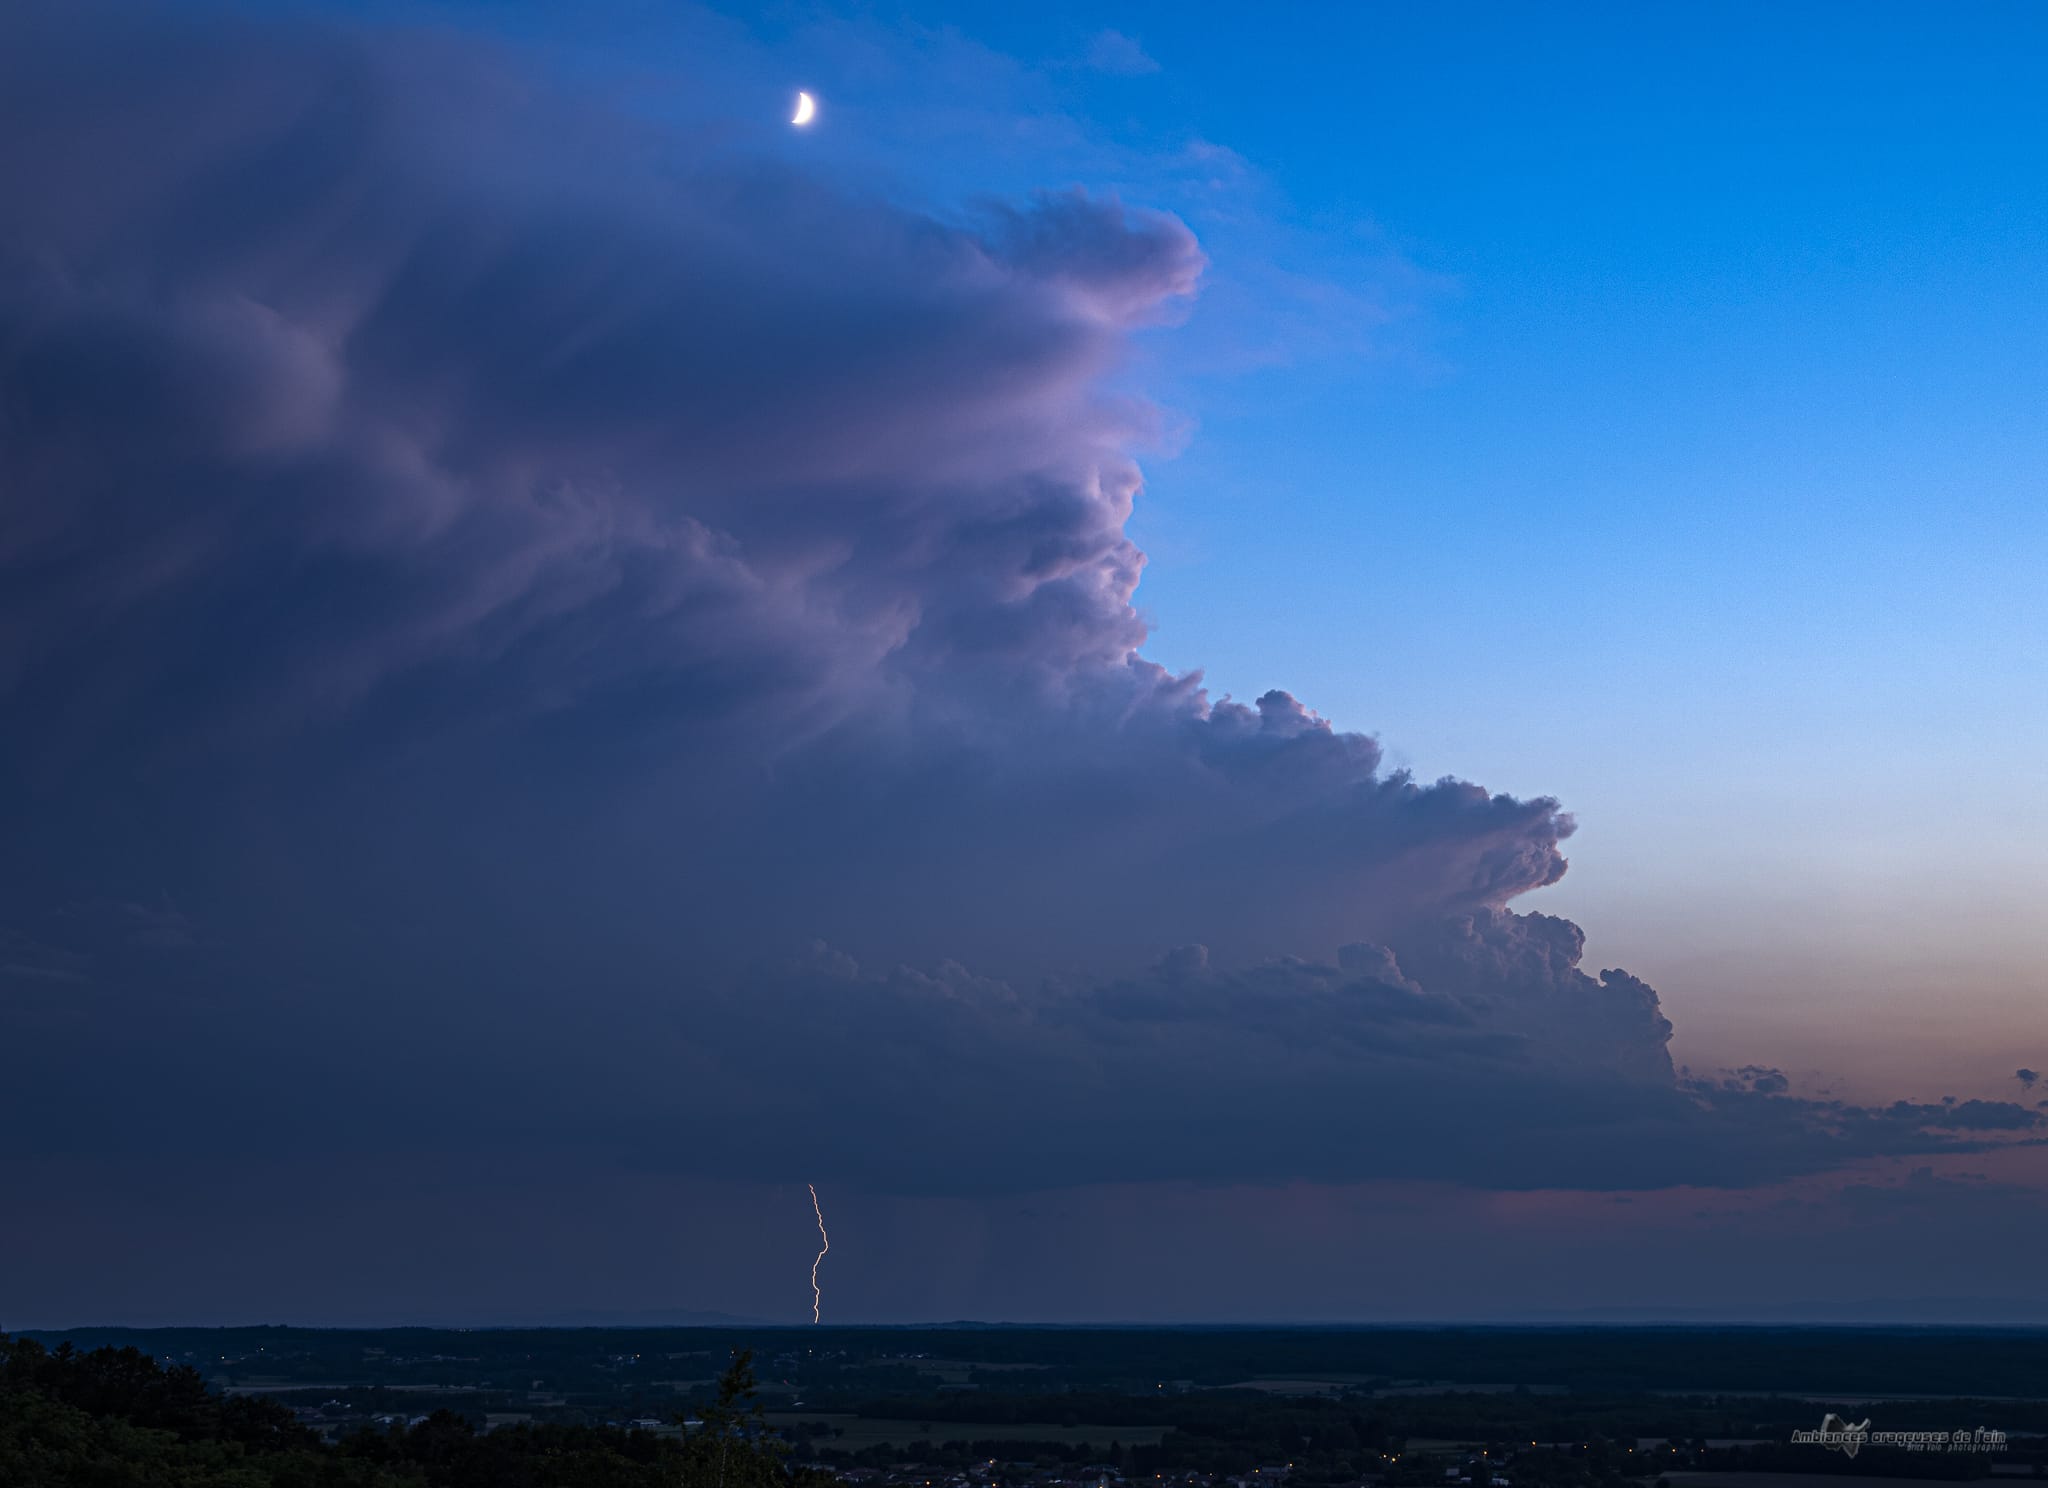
[501,566]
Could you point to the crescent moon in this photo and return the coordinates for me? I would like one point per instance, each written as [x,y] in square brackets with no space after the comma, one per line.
[806,109]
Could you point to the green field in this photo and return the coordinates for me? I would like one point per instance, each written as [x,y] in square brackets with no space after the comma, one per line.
[961,1371]
[858,1432]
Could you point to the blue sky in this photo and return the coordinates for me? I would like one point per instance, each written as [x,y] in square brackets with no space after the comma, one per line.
[1642,406]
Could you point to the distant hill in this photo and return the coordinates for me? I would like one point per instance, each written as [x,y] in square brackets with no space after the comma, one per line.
[593,1318]
[1928,1312]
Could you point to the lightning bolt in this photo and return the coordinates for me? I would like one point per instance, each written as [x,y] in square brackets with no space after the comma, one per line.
[818,1297]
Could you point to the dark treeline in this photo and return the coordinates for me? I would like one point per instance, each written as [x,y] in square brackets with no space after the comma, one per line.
[115,1418]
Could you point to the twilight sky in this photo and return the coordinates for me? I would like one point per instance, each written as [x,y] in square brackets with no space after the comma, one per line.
[573,659]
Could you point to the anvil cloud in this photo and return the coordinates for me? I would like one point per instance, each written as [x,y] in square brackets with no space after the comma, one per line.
[520,625]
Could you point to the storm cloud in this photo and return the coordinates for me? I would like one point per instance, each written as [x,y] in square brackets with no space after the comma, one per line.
[520,624]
